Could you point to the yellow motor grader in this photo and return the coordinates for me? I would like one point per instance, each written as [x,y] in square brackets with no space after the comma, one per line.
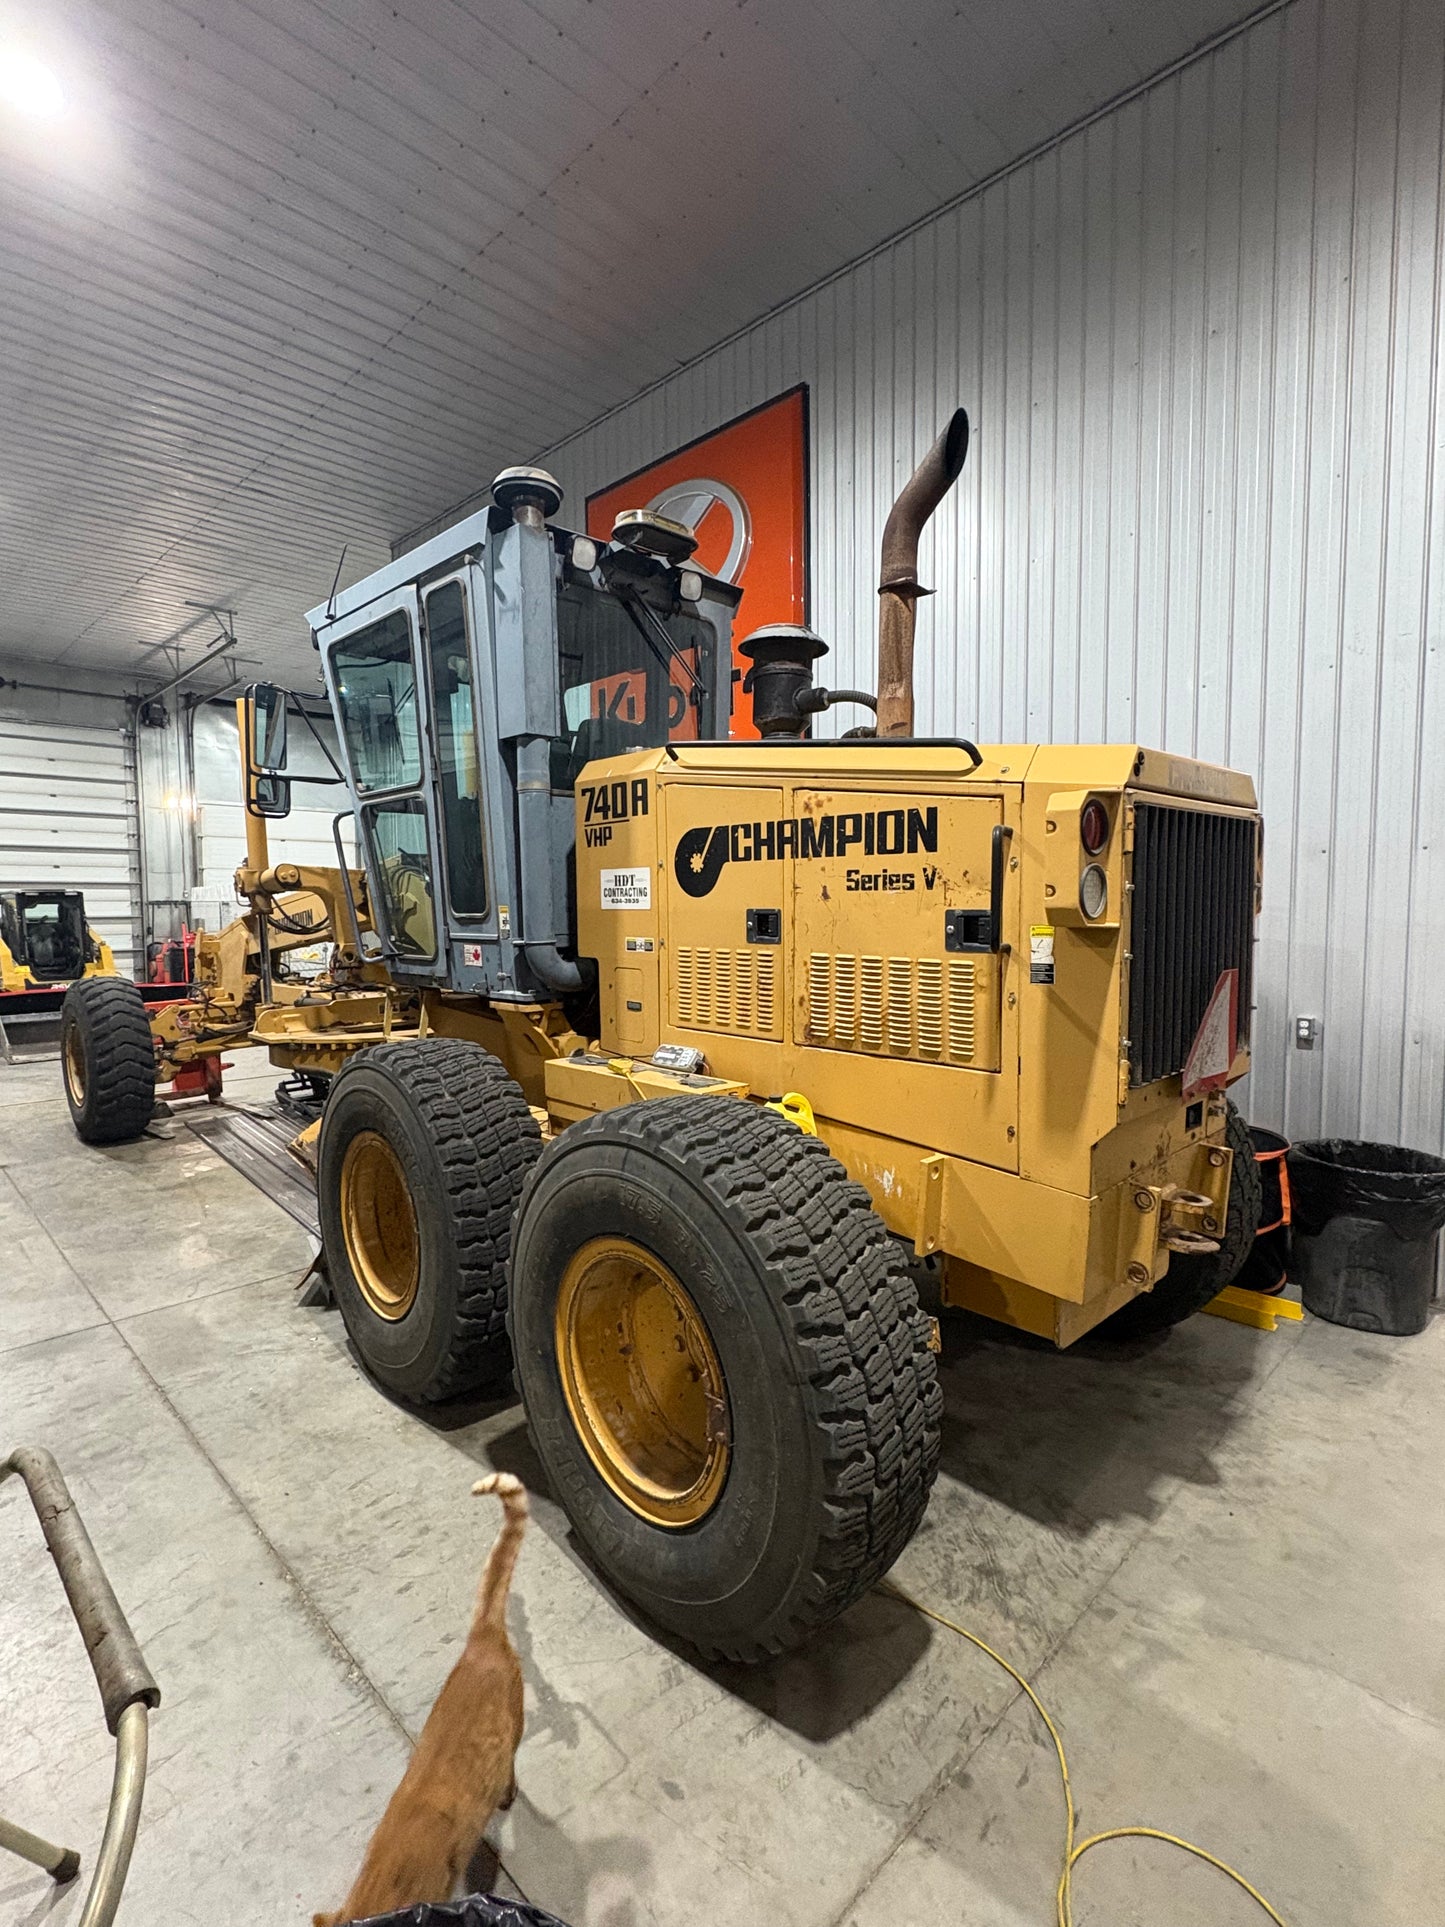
[652,1063]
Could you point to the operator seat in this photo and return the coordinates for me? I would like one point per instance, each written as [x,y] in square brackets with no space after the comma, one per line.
[594,737]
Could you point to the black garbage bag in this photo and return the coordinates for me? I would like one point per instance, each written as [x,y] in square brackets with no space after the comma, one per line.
[1335,1178]
[1366,1220]
[477,1910]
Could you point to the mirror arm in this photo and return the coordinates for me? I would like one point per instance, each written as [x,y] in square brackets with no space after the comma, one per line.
[321,744]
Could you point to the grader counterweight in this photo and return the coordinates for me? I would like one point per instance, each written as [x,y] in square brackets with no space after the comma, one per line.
[591,942]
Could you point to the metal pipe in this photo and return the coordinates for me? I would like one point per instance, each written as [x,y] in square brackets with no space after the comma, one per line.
[142,864]
[61,1863]
[530,496]
[191,874]
[225,644]
[534,842]
[352,916]
[127,1690]
[127,1788]
[898,584]
[258,853]
[121,1673]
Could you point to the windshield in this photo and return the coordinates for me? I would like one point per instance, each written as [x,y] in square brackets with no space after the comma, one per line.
[631,678]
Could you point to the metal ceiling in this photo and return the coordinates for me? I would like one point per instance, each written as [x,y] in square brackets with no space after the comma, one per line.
[293,274]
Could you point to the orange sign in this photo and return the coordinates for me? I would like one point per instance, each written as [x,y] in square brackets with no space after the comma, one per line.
[623,698]
[743,491]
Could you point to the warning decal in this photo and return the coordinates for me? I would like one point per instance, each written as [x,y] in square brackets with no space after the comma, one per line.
[627,889]
[1041,953]
[1206,1068]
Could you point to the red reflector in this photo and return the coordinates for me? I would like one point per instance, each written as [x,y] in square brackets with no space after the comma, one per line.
[1094,826]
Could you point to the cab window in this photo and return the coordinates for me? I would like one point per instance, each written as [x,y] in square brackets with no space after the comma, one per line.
[459,773]
[397,834]
[623,686]
[375,678]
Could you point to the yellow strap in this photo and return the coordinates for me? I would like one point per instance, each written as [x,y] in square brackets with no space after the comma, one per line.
[796,1109]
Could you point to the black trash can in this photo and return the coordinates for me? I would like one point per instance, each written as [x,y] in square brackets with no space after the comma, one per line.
[477,1910]
[1367,1218]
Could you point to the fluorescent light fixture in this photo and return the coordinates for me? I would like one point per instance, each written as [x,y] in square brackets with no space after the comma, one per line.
[28,86]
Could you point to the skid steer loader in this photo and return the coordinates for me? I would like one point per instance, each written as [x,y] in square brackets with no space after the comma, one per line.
[45,944]
[655,1062]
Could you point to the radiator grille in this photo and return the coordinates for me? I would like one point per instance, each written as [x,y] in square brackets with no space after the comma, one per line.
[911,1006]
[725,989]
[1193,916]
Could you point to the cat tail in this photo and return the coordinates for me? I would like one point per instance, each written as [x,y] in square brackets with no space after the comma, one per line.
[497,1573]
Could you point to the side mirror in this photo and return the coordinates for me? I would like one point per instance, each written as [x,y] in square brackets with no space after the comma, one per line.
[267,748]
[268,791]
[269,796]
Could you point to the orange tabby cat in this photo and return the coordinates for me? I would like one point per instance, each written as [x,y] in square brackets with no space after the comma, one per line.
[461,1771]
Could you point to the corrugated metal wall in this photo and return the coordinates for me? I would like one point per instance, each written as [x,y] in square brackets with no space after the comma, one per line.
[1200,341]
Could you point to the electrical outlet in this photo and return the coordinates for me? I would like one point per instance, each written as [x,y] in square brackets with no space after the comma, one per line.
[1306,1032]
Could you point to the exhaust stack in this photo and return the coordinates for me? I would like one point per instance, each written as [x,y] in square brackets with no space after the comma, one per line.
[898,584]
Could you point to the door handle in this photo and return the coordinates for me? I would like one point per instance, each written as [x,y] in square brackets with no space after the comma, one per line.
[1001,836]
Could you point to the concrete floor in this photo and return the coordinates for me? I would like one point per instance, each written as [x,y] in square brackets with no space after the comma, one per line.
[1221,1561]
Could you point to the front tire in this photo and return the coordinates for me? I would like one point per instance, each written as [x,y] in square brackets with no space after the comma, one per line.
[1192,1281]
[725,1368]
[108,1060]
[424,1148]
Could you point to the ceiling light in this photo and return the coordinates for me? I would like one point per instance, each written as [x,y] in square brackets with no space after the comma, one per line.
[29,86]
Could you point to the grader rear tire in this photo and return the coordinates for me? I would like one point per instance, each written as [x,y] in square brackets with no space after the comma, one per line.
[424,1148]
[725,1368]
[108,1060]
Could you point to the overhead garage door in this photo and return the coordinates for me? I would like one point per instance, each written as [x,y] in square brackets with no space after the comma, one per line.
[68,821]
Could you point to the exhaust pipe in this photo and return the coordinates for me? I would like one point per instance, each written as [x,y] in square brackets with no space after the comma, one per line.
[898,584]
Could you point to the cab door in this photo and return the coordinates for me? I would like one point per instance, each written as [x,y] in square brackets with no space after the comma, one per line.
[375,680]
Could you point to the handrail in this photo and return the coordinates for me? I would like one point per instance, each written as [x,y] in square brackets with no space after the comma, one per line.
[127,1689]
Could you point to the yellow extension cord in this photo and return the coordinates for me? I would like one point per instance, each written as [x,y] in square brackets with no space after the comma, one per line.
[1073,1853]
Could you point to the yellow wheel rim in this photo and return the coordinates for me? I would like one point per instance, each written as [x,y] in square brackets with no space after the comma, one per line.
[378,1223]
[642,1382]
[75,1066]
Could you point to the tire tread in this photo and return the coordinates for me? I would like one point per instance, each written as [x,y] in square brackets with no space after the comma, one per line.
[485,1139]
[121,1067]
[856,1323]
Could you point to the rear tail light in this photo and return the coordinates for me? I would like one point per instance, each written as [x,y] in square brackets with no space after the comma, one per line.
[1094,826]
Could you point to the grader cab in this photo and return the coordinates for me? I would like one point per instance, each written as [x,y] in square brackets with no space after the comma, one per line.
[657,1065]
